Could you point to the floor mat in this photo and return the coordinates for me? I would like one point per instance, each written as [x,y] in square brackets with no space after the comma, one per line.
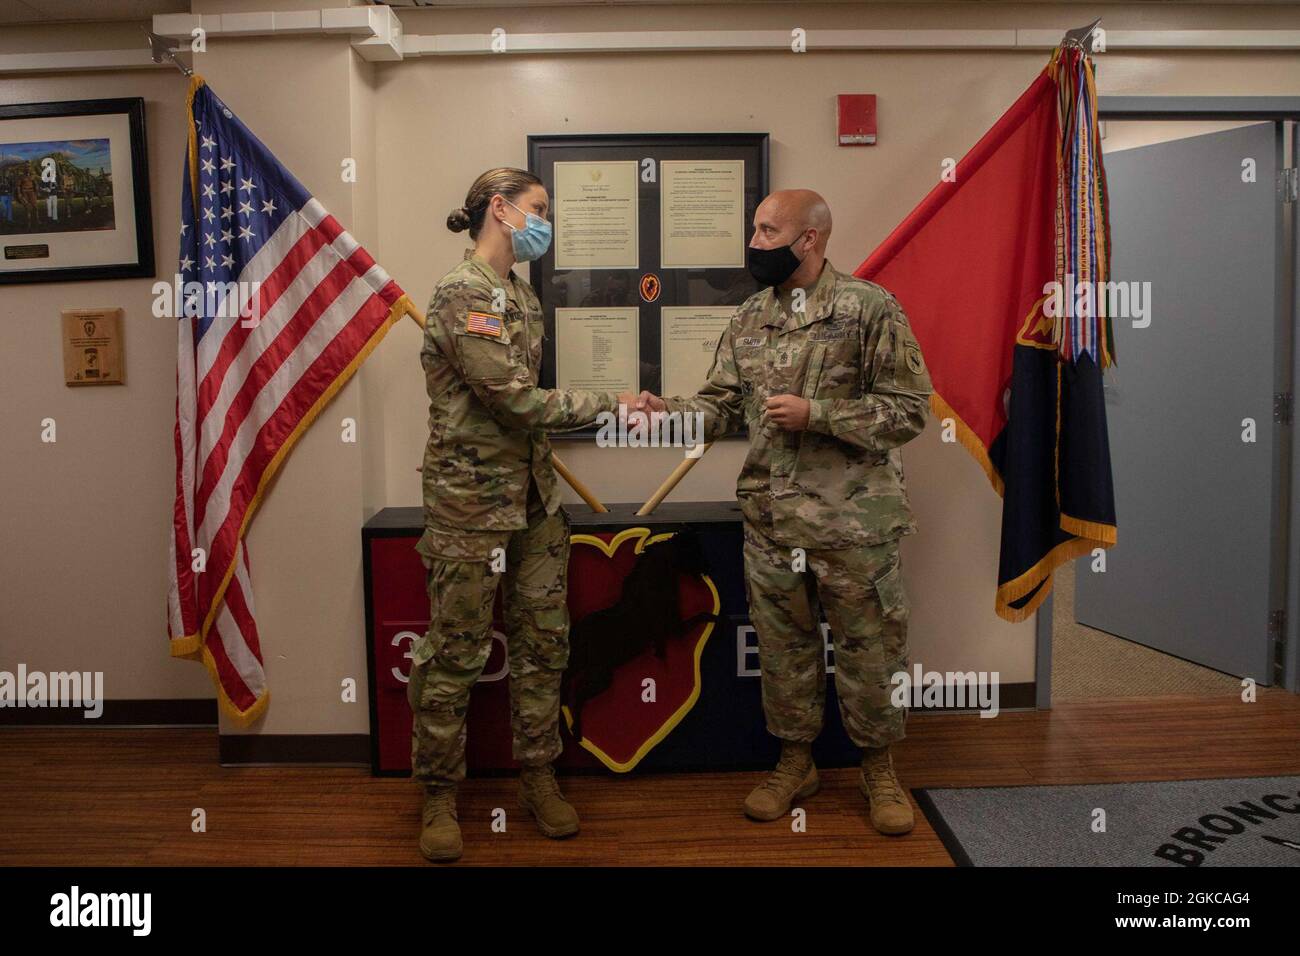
[1233,821]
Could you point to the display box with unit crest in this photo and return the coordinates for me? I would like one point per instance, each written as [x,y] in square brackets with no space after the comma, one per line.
[698,707]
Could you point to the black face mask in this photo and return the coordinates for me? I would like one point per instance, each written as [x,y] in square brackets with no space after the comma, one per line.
[771,266]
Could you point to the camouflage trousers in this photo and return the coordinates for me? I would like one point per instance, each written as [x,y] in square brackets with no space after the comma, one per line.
[455,649]
[861,590]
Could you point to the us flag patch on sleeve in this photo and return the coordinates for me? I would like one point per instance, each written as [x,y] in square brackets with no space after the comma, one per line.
[484,323]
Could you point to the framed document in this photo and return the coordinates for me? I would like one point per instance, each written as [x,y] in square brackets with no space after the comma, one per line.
[687,342]
[597,348]
[595,212]
[648,261]
[702,214]
[74,192]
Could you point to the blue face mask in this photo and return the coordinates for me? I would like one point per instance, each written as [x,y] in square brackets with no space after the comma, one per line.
[532,241]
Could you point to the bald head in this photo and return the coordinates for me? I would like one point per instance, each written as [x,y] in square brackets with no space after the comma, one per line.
[788,213]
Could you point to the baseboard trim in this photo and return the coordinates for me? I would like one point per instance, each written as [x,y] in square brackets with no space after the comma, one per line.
[334,750]
[181,712]
[1018,696]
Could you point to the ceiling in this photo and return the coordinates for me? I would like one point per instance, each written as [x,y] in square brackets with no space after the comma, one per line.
[49,11]
[43,11]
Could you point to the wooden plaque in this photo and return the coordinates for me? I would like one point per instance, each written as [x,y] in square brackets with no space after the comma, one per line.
[92,347]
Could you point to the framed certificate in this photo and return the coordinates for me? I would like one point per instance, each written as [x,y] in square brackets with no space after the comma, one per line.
[595,210]
[702,214]
[648,260]
[597,348]
[688,339]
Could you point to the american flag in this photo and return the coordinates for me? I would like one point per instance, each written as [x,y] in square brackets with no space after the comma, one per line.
[278,306]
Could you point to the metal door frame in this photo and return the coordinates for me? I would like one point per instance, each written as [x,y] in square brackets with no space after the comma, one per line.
[1284,588]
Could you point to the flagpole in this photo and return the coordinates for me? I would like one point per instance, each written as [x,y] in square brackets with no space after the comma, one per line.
[583,491]
[680,472]
[561,469]
[1081,36]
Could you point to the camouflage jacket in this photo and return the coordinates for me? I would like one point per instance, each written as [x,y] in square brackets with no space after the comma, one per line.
[850,352]
[487,417]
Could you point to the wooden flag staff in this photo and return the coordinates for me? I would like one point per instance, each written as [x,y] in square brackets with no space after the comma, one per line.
[671,481]
[583,491]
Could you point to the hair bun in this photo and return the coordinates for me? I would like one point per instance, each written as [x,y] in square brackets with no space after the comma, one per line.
[458,220]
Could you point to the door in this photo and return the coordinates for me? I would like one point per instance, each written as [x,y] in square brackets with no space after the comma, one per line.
[1190,402]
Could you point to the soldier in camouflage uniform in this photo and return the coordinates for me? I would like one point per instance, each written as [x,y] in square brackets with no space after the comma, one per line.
[492,510]
[824,371]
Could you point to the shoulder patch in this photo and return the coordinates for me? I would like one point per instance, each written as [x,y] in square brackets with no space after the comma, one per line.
[483,323]
[912,355]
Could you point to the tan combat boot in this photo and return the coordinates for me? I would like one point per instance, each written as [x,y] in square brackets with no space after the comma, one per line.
[539,794]
[440,837]
[795,776]
[890,810]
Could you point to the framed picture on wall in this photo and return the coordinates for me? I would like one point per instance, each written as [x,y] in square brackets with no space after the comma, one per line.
[74,192]
[647,262]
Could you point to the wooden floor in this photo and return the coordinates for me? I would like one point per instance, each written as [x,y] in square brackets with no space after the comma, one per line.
[93,797]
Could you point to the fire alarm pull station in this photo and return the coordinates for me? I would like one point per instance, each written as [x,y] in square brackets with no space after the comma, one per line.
[857,119]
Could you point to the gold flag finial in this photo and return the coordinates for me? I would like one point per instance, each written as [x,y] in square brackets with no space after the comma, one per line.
[1080,36]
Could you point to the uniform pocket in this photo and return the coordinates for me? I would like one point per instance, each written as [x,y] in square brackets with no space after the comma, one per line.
[551,621]
[813,371]
[486,359]
[427,646]
[548,642]
[553,618]
[801,440]
[888,585]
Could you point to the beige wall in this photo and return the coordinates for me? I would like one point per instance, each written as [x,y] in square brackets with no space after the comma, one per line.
[85,521]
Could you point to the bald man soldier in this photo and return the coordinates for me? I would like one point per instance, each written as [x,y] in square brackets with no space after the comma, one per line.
[824,371]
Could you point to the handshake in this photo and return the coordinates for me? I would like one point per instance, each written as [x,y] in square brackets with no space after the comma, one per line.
[645,402]
[788,412]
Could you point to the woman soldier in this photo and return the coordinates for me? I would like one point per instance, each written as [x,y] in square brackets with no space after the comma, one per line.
[492,510]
